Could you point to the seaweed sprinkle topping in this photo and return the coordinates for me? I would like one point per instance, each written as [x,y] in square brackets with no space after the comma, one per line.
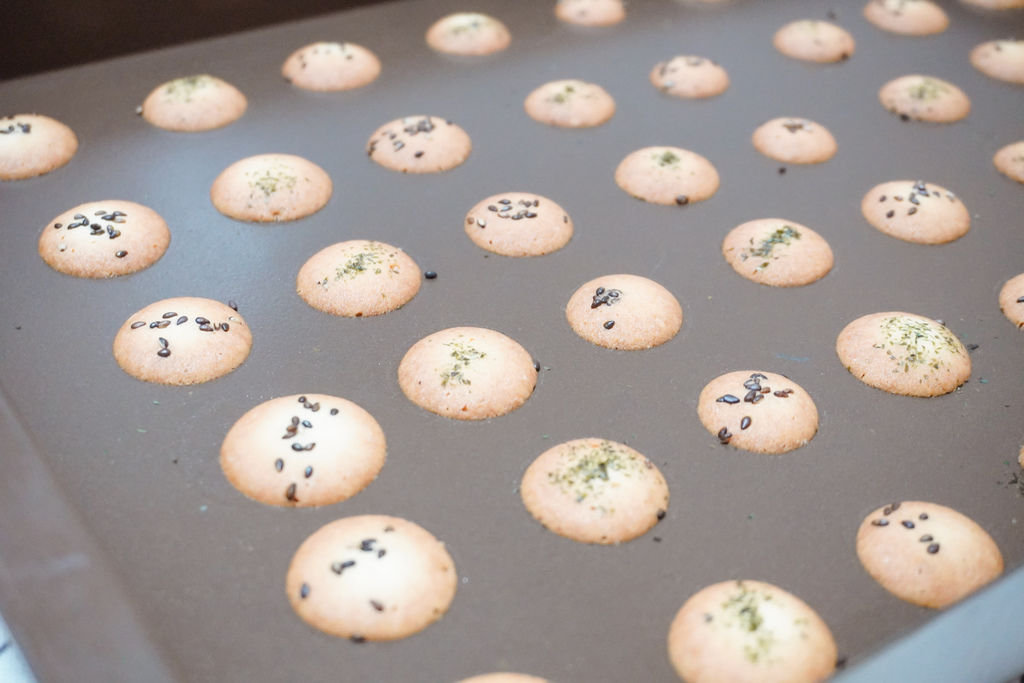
[912,342]
[270,180]
[927,89]
[371,259]
[464,354]
[784,235]
[184,88]
[743,611]
[667,158]
[590,465]
[562,96]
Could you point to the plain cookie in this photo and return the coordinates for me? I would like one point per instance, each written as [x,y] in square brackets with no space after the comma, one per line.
[332,67]
[667,175]
[358,278]
[570,104]
[690,76]
[1011,300]
[518,224]
[925,98]
[193,103]
[794,141]
[907,17]
[915,211]
[590,12]
[625,312]
[33,144]
[468,33]
[814,41]
[1001,59]
[777,252]
[271,187]
[1010,161]
[419,144]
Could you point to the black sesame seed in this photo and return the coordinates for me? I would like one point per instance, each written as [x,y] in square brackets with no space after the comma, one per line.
[307,424]
[882,198]
[334,411]
[744,423]
[890,214]
[304,591]
[381,553]
[727,398]
[880,522]
[388,529]
[202,321]
[904,117]
[279,464]
[297,447]
[536,366]
[302,399]
[781,394]
[896,506]
[232,305]
[923,515]
[289,493]
[315,407]
[309,471]
[58,226]
[366,545]
[908,524]
[782,170]
[357,639]
[682,200]
[933,548]
[609,324]
[163,342]
[911,211]
[121,254]
[154,324]
[972,347]
[927,538]
[182,319]
[163,353]
[206,328]
[751,396]
[137,324]
[430,275]
[295,421]
[376,605]
[224,326]
[418,154]
[169,314]
[661,514]
[887,510]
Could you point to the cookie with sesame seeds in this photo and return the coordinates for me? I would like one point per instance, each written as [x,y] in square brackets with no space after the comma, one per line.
[625,312]
[303,451]
[916,211]
[1001,59]
[814,41]
[419,144]
[331,66]
[904,354]
[927,554]
[371,577]
[468,33]
[570,103]
[182,341]
[777,252]
[518,224]
[32,145]
[504,677]
[907,17]
[104,239]
[193,103]
[590,12]
[1009,161]
[595,491]
[1011,300]
[667,175]
[271,187]
[794,141]
[925,98]
[690,76]
[358,278]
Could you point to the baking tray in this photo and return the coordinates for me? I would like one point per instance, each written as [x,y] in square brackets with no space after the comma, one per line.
[179,576]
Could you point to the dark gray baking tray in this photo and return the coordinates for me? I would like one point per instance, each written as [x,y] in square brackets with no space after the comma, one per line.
[179,575]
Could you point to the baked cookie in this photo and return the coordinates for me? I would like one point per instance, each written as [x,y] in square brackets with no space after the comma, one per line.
[690,76]
[271,187]
[518,224]
[625,312]
[33,144]
[794,141]
[996,4]
[590,12]
[595,491]
[468,33]
[504,677]
[570,104]
[927,554]
[1010,161]
[915,211]
[907,17]
[182,341]
[904,354]
[104,239]
[331,67]
[749,631]
[814,41]
[667,175]
[303,451]
[358,278]
[777,252]
[1011,300]
[761,412]
[193,103]
[925,98]
[467,373]
[419,144]
[1002,59]
[371,577]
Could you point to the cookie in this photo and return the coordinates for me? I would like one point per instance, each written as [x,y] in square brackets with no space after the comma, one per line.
[1001,59]
[327,66]
[925,98]
[904,354]
[271,187]
[303,451]
[419,144]
[504,677]
[590,12]
[182,341]
[193,103]
[814,41]
[907,17]
[371,577]
[667,175]
[777,252]
[467,373]
[518,224]
[996,4]
[358,278]
[570,104]
[1010,161]
[1011,300]
[104,239]
[760,412]
[916,211]
[595,491]
[927,554]
[468,33]
[625,312]
[690,76]
[33,144]
[749,631]
[794,141]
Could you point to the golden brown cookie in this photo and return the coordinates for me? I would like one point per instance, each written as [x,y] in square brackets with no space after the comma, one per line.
[358,278]
[626,312]
[468,33]
[271,187]
[777,252]
[590,12]
[794,141]
[518,224]
[570,104]
[667,175]
[419,144]
[925,98]
[1011,300]
[916,211]
[193,103]
[907,17]
[331,66]
[1009,161]
[814,41]
[690,76]
[33,144]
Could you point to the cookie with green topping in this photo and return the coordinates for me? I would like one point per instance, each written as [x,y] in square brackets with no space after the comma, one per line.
[925,98]
[419,144]
[331,66]
[1009,161]
[590,12]
[690,77]
[570,103]
[907,17]
[518,224]
[271,187]
[667,175]
[193,103]
[916,211]
[794,141]
[595,491]
[777,252]
[33,144]
[1011,300]
[814,41]
[625,312]
[1001,59]
[358,278]
[469,34]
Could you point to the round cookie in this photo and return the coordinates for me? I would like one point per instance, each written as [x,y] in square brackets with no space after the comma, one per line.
[193,103]
[907,17]
[904,354]
[595,491]
[332,67]
[467,373]
[1011,300]
[33,144]
[504,677]
[915,211]
[570,104]
[749,631]
[690,76]
[271,187]
[419,144]
[358,278]
[1010,161]
[625,312]
[814,41]
[303,451]
[777,252]
[794,141]
[518,224]
[927,554]
[468,33]
[104,239]
[182,341]
[590,12]
[667,175]
[1001,59]
[996,4]
[371,577]
[761,412]
[925,98]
